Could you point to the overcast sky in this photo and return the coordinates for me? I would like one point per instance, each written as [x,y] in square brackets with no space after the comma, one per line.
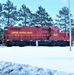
[51,6]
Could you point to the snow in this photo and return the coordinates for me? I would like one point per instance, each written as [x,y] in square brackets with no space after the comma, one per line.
[20,69]
[60,59]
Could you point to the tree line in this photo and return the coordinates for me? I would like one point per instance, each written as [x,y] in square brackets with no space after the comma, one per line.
[10,16]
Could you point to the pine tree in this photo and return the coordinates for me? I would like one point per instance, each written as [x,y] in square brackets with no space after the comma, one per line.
[9,13]
[24,15]
[0,15]
[43,18]
[63,19]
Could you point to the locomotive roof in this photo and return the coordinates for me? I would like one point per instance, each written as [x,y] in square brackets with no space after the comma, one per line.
[44,27]
[54,28]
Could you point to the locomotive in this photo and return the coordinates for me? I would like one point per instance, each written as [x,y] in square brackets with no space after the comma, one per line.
[32,35]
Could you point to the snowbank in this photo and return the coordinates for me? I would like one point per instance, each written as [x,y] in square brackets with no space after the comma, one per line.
[8,68]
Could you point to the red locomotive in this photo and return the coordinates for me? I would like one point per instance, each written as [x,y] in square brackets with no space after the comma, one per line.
[24,36]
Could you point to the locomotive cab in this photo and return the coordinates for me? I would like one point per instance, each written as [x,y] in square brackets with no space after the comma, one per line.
[59,38]
[54,33]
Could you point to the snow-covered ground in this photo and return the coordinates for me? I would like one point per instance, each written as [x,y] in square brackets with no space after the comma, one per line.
[16,69]
[54,58]
[21,69]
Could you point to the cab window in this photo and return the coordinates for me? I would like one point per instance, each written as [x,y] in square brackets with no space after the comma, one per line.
[55,31]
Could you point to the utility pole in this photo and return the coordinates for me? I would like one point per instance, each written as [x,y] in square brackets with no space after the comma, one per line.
[69,24]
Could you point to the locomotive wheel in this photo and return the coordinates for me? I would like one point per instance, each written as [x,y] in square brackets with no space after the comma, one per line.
[62,43]
[31,44]
[9,44]
[54,43]
[22,44]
